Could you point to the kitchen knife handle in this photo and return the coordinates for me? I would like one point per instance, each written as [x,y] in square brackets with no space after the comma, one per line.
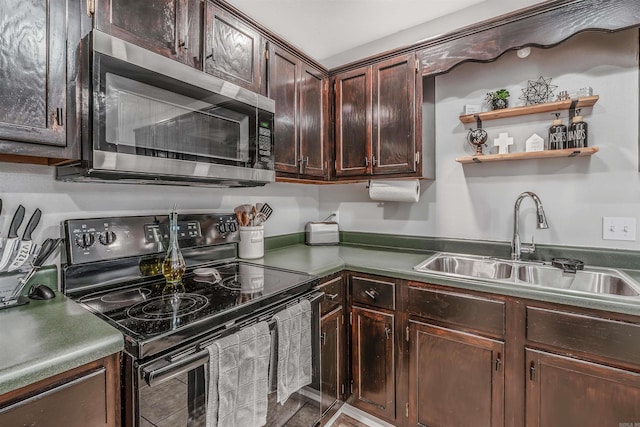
[32,224]
[16,222]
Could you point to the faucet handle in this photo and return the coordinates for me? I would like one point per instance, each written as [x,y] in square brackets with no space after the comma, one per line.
[528,248]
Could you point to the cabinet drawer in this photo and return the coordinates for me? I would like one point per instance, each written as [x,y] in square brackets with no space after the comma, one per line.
[334,294]
[600,337]
[77,403]
[477,313]
[377,293]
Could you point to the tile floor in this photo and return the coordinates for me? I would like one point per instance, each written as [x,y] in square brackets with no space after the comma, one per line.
[349,416]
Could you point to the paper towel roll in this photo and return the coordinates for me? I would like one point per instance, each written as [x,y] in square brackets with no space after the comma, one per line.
[395,191]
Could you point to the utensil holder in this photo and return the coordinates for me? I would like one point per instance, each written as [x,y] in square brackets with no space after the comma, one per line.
[251,245]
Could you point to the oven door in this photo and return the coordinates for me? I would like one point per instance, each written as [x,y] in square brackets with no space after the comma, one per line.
[172,390]
[157,117]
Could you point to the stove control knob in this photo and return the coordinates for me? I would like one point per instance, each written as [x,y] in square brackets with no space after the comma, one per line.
[85,240]
[107,238]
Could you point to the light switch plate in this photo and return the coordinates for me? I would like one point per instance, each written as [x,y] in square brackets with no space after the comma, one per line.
[618,228]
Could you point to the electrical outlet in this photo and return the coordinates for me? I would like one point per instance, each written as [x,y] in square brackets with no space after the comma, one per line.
[618,228]
[335,216]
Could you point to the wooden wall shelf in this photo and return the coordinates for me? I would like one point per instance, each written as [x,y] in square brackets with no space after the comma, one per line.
[548,107]
[546,154]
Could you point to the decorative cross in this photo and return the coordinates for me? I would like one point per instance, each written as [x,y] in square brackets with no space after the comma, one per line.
[503,141]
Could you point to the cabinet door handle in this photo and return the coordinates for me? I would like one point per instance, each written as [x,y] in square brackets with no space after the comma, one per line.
[210,56]
[532,371]
[184,42]
[366,161]
[331,296]
[304,161]
[387,331]
[323,338]
[498,362]
[371,293]
[58,116]
[373,160]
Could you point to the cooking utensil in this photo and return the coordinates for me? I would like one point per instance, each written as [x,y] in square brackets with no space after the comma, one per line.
[24,250]
[266,211]
[12,241]
[47,249]
[254,214]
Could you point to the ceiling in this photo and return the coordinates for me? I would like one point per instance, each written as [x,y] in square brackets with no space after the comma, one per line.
[325,28]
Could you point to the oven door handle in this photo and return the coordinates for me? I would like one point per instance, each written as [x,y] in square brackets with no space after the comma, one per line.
[159,375]
[156,376]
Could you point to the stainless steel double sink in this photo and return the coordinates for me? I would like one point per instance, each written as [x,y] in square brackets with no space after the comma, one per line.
[595,280]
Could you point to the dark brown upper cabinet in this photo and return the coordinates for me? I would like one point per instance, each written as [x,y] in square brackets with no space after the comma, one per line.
[378,114]
[301,96]
[233,50]
[171,28]
[33,77]
[353,122]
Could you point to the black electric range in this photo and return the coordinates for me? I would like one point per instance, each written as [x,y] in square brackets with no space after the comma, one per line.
[113,269]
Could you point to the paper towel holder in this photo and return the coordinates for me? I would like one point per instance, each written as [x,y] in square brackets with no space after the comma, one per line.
[394,190]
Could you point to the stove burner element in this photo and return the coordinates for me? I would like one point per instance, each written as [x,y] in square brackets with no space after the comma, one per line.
[168,307]
[243,283]
[128,295]
[233,283]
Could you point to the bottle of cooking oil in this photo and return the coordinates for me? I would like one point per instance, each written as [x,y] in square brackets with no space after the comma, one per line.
[173,266]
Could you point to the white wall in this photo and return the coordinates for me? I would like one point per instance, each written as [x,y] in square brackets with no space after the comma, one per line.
[484,10]
[476,201]
[35,187]
[469,202]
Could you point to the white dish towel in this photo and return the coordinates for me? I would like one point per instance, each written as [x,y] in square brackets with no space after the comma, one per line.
[238,378]
[294,349]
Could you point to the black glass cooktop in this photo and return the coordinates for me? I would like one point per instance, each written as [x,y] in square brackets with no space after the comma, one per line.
[209,296]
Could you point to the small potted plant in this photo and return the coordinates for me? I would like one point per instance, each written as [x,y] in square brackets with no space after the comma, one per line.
[498,99]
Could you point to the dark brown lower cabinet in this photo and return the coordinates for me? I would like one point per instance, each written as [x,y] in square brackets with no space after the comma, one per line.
[455,378]
[331,358]
[435,356]
[562,391]
[85,396]
[373,359]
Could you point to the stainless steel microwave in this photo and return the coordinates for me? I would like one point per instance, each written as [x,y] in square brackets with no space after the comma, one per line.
[150,119]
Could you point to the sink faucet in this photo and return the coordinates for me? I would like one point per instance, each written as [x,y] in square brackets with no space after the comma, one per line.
[518,248]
